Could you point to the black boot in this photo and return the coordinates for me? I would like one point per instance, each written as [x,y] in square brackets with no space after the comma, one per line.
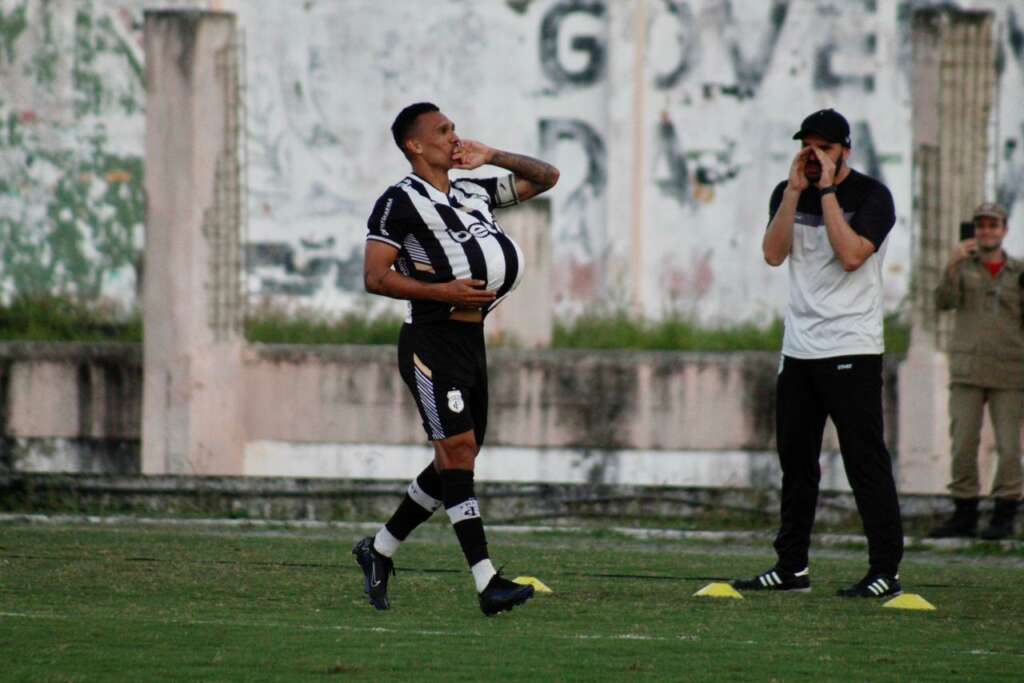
[1001,524]
[963,523]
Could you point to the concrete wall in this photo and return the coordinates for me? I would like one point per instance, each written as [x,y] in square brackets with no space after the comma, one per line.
[557,417]
[671,121]
[669,118]
[608,416]
[553,399]
[70,407]
[71,103]
[624,418]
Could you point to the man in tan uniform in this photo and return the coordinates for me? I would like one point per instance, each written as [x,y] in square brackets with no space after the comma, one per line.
[986,365]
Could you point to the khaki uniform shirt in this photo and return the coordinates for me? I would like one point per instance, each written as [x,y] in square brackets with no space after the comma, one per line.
[987,348]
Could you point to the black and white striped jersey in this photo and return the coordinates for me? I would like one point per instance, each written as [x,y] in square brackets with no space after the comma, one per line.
[443,237]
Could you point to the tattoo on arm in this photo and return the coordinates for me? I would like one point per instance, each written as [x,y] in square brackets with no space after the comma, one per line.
[542,174]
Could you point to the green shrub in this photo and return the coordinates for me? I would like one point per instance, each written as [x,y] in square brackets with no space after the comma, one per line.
[897,334]
[621,331]
[53,318]
[273,326]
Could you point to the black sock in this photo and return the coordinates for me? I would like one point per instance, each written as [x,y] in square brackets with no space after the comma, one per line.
[464,513]
[421,499]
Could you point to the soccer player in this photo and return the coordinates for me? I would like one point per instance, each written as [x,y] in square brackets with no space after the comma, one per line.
[831,222]
[435,242]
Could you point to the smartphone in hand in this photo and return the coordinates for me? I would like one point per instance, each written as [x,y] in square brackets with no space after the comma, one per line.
[966,230]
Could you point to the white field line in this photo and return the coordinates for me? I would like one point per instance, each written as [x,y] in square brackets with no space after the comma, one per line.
[639,533]
[432,632]
[344,628]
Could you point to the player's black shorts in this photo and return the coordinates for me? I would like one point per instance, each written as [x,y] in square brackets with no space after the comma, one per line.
[444,365]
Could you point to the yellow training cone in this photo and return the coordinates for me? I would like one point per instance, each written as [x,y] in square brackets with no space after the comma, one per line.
[909,601]
[537,584]
[718,590]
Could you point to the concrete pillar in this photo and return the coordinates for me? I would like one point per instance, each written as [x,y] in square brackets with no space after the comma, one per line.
[628,143]
[192,298]
[525,318]
[954,74]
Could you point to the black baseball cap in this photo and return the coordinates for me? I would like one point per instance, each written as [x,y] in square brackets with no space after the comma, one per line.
[829,124]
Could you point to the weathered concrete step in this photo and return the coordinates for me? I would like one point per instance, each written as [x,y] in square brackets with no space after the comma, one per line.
[334,499]
[761,537]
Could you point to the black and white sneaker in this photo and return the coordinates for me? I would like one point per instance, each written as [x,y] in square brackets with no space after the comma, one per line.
[873,586]
[502,594]
[776,579]
[376,570]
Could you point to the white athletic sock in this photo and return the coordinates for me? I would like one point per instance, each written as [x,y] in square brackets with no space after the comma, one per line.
[385,542]
[483,572]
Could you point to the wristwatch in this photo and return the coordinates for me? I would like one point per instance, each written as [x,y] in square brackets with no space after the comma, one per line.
[831,189]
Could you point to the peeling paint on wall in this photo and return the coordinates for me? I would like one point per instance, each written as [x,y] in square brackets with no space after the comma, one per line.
[71,199]
[725,83]
[1010,185]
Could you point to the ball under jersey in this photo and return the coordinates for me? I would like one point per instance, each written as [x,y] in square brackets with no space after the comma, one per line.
[443,237]
[832,312]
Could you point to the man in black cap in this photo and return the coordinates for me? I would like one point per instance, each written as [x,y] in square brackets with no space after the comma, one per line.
[831,222]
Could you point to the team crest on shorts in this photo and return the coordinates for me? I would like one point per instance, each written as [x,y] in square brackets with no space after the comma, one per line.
[455,402]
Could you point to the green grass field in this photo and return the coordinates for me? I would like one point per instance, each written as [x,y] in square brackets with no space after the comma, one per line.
[91,603]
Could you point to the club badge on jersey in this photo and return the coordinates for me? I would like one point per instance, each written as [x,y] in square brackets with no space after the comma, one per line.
[455,402]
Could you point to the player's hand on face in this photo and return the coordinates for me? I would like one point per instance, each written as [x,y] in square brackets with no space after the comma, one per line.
[828,169]
[467,293]
[797,180]
[470,154]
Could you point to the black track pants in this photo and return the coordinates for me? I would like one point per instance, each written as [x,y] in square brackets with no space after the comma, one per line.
[849,390]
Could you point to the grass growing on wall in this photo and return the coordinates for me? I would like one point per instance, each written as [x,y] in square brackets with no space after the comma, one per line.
[53,318]
[621,331]
[50,318]
[897,334]
[272,326]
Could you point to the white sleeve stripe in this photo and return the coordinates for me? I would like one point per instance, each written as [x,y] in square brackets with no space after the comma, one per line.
[393,243]
[415,249]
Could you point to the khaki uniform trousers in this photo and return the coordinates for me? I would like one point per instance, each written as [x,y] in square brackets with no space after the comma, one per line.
[1006,409]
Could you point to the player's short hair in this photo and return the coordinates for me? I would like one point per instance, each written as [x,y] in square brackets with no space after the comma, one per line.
[406,119]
